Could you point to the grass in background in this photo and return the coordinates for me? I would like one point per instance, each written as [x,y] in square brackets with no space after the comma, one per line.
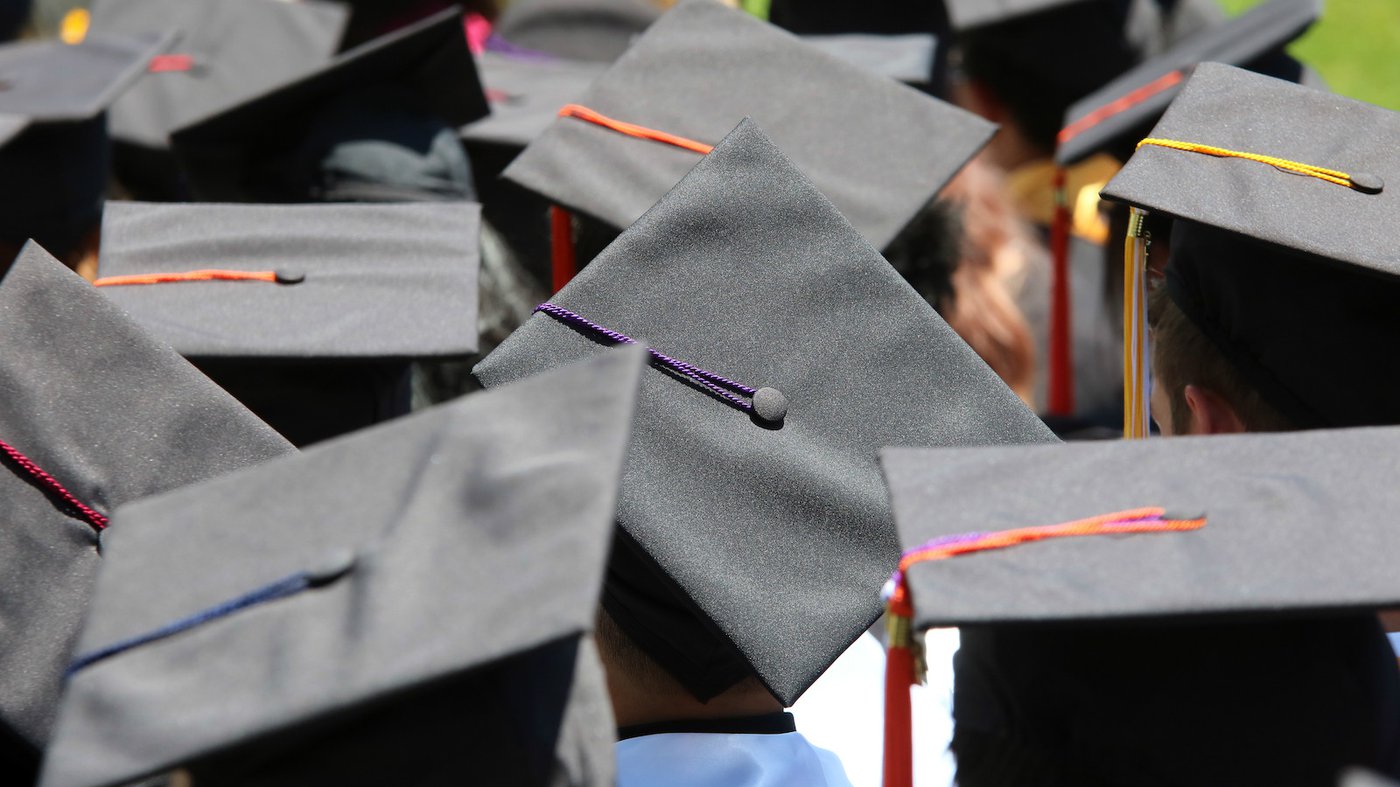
[1355,46]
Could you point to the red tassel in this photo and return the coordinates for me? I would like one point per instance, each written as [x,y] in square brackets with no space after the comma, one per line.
[564,262]
[899,733]
[1061,378]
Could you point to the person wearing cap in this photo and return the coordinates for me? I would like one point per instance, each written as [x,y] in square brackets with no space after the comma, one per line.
[1204,614]
[54,149]
[94,413]
[753,532]
[224,52]
[410,605]
[376,124]
[1273,220]
[309,314]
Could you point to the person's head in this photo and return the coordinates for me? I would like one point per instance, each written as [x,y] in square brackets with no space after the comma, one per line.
[964,253]
[1024,73]
[1195,389]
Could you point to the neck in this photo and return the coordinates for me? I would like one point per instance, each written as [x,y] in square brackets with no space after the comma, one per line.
[634,704]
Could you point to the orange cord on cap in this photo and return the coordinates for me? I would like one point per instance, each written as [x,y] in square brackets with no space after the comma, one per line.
[169,278]
[632,130]
[902,658]
[1120,105]
[1321,173]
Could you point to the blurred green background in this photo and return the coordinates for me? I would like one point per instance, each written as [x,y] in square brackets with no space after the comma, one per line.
[1356,47]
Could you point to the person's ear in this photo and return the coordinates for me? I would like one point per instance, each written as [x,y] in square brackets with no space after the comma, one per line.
[1210,413]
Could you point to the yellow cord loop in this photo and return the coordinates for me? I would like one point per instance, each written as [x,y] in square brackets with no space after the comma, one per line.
[1321,173]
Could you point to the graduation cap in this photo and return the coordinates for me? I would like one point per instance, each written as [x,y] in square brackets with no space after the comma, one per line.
[94,413]
[754,528]
[298,141]
[225,52]
[908,58]
[1116,116]
[309,314]
[1278,253]
[54,151]
[1204,607]
[590,30]
[404,605]
[1360,777]
[878,149]
[525,91]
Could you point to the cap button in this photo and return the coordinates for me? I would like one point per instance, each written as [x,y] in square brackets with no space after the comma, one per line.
[1366,183]
[290,276]
[332,566]
[770,404]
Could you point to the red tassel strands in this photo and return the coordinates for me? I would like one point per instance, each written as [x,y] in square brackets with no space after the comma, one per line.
[1061,377]
[563,258]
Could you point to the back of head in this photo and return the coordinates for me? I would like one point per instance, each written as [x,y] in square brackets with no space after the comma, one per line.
[1040,64]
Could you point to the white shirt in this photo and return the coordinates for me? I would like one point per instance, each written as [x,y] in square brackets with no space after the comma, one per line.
[694,759]
[844,711]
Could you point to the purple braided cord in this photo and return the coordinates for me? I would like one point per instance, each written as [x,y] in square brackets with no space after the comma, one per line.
[721,386]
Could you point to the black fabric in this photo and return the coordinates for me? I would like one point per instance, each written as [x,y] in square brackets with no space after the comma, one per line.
[589,30]
[877,17]
[656,615]
[1252,40]
[1317,363]
[1295,522]
[309,402]
[473,538]
[370,147]
[1333,224]
[56,180]
[13,15]
[240,48]
[780,536]
[114,416]
[767,724]
[1240,703]
[863,139]
[393,88]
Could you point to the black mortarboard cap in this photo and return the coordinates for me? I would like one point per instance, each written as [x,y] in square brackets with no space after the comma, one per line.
[418,82]
[406,605]
[593,30]
[908,58]
[54,151]
[755,535]
[225,52]
[323,307]
[94,413]
[878,149]
[1133,656]
[1295,278]
[1115,117]
[525,92]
